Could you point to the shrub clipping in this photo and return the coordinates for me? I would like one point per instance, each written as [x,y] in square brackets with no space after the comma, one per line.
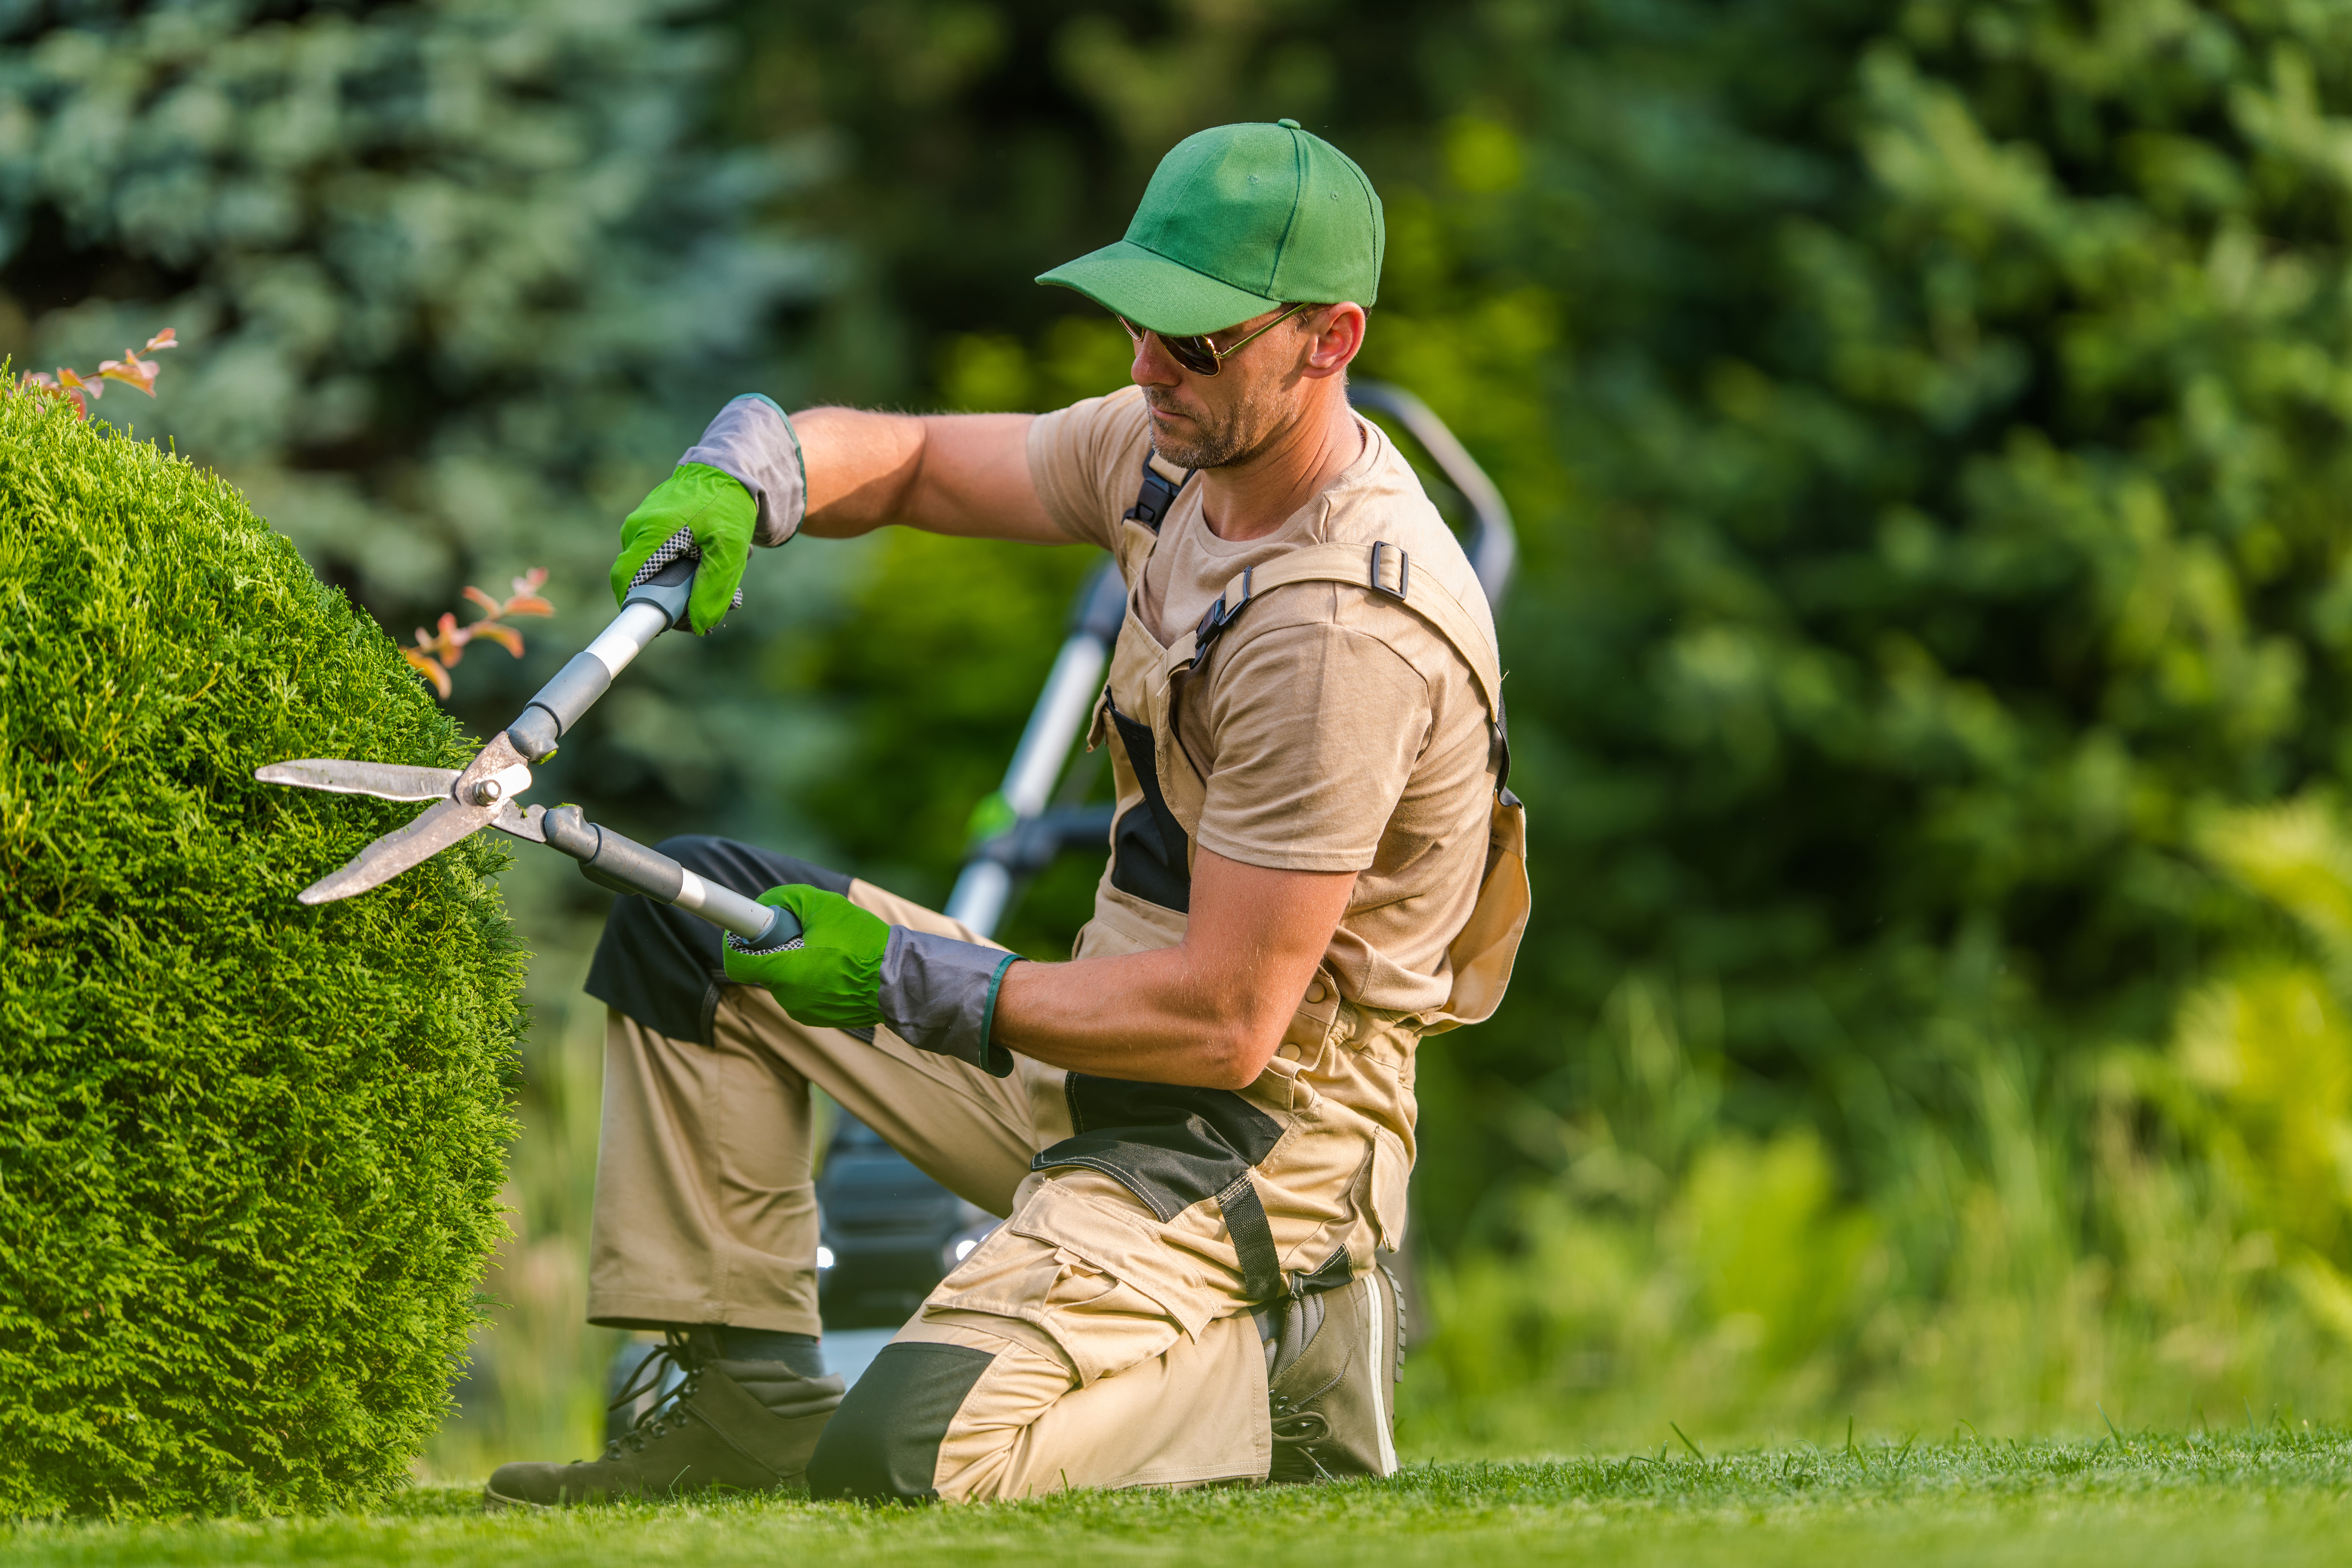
[251,1153]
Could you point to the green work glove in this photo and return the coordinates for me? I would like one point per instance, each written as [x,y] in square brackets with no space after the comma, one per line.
[834,977]
[721,515]
[850,971]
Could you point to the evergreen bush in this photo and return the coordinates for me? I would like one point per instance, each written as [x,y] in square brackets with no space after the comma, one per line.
[251,1153]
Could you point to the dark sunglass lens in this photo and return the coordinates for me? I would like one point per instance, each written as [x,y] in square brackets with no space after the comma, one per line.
[1193,354]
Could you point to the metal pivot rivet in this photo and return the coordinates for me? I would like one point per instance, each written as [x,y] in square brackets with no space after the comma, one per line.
[488,792]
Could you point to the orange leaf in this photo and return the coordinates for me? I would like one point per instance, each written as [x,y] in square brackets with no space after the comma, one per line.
[162,339]
[48,382]
[481,598]
[424,666]
[505,637]
[527,604]
[133,371]
[530,582]
[76,384]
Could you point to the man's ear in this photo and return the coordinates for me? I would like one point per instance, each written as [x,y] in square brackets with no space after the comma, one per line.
[1335,334]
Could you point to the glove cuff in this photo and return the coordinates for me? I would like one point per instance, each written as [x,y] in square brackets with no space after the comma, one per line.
[938,995]
[753,444]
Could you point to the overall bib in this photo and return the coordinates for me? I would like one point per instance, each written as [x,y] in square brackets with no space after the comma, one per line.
[1307,1167]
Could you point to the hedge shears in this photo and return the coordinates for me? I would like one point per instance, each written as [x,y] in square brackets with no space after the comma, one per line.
[482,794]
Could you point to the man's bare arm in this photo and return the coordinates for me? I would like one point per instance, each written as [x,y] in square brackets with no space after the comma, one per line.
[1208,1012]
[964,474]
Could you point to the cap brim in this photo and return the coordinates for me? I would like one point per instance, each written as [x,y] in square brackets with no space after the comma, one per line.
[1157,293]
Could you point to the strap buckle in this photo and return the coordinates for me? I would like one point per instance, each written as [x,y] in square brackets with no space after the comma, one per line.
[1217,617]
[1405,570]
[1156,497]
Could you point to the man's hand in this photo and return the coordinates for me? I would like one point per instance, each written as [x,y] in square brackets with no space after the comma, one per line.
[850,971]
[722,514]
[742,484]
[832,976]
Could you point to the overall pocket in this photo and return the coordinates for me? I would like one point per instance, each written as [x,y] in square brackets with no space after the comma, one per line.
[1173,1147]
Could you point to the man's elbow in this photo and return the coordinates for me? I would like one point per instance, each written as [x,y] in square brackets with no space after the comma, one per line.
[1239,1052]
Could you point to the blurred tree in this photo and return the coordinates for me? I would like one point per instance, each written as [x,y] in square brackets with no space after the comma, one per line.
[1957,417]
[456,283]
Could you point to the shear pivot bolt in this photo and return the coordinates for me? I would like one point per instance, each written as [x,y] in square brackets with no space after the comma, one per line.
[488,792]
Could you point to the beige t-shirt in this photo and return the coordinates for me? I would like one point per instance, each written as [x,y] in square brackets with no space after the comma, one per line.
[1356,741]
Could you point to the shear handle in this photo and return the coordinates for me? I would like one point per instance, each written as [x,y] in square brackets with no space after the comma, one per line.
[609,861]
[651,608]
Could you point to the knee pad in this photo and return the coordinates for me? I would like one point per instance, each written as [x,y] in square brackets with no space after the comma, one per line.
[883,1444]
[664,967]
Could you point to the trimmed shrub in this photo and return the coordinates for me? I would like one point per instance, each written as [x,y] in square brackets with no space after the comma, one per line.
[251,1153]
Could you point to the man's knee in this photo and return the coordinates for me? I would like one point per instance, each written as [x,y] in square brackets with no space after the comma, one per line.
[664,967]
[883,1444]
[746,868]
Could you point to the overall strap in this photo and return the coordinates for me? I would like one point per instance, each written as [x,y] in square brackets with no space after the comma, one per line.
[1157,496]
[1380,568]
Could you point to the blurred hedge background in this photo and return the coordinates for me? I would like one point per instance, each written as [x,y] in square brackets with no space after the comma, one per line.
[1925,422]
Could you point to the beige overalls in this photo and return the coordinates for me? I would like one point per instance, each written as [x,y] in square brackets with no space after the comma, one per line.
[1103,1335]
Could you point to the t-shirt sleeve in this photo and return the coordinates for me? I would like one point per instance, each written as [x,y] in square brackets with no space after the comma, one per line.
[1087,463]
[1317,730]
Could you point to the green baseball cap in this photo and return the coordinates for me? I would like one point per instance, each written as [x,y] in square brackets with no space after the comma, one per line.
[1236,221]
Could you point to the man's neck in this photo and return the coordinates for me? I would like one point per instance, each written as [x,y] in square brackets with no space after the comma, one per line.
[1251,499]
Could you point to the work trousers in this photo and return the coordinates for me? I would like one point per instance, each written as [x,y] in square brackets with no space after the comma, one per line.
[1064,1351]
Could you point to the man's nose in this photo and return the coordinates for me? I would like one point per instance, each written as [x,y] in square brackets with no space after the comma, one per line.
[1154,365]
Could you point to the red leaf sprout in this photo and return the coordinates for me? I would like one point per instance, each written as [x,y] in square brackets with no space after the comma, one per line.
[437,651]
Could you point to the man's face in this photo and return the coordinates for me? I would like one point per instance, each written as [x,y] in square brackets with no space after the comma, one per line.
[1216,421]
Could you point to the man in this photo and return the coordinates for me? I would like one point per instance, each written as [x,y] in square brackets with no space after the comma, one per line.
[1201,1125]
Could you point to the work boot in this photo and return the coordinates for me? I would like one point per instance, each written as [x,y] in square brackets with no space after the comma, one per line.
[731,1426]
[1331,1371]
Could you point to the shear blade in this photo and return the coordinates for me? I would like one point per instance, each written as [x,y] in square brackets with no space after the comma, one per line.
[385,781]
[435,829]
[513,819]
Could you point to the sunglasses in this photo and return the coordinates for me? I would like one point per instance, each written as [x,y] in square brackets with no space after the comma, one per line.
[1197,353]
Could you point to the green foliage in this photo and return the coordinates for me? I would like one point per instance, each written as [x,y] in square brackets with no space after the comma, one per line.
[253,1152]
[455,286]
[1956,445]
[2262,1054]
[1925,424]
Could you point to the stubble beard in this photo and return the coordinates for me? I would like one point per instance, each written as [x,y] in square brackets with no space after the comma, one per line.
[1219,442]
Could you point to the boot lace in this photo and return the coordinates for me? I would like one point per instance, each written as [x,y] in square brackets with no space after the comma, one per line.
[662,1416]
[1296,1426]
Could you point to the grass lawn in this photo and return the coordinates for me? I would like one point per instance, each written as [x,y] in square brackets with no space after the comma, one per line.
[2147,1500]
